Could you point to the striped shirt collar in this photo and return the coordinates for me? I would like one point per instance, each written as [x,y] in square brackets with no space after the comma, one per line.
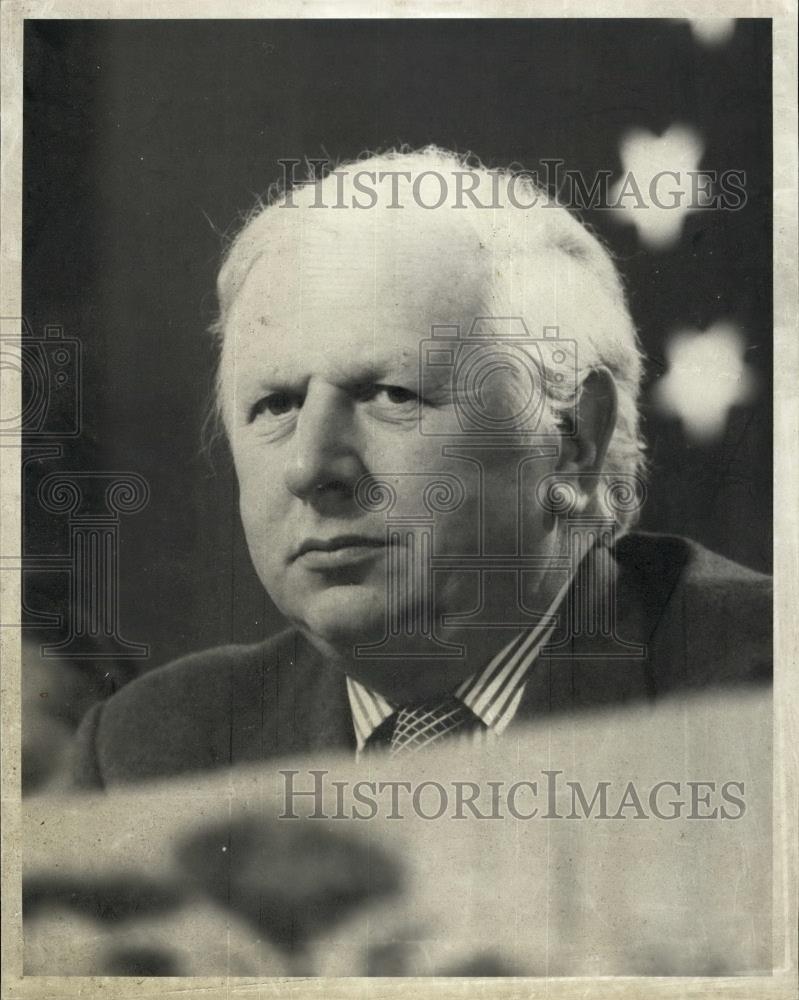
[493,694]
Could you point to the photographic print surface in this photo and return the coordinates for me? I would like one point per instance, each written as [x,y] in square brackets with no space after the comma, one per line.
[395,462]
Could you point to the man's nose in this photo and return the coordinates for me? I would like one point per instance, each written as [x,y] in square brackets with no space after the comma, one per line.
[323,458]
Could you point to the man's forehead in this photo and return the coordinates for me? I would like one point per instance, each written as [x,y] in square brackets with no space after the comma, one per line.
[331,342]
[349,296]
[328,253]
[372,289]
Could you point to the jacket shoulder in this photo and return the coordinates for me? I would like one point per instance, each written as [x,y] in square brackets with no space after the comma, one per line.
[181,716]
[710,619]
[205,670]
[669,554]
[668,566]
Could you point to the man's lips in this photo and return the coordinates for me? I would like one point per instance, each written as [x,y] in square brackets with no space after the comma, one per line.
[339,551]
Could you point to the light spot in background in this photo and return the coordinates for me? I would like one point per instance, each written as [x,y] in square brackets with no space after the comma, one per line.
[707,376]
[712,31]
[658,186]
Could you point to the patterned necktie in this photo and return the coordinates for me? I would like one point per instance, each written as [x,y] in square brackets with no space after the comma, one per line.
[414,727]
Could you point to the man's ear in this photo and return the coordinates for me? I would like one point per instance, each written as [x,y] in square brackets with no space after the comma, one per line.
[585,442]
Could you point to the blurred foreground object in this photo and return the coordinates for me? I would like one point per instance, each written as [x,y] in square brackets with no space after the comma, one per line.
[675,880]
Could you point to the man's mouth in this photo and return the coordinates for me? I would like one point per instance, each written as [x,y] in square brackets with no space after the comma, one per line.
[343,550]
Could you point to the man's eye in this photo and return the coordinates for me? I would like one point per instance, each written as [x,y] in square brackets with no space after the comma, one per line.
[395,394]
[398,394]
[275,404]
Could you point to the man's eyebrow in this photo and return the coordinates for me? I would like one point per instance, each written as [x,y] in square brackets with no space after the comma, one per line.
[376,371]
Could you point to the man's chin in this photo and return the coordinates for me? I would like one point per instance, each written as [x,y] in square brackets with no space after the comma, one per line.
[342,618]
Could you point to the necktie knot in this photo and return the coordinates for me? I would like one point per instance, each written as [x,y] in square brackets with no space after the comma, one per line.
[413,727]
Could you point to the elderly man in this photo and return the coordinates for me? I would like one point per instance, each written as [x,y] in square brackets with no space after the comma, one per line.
[430,396]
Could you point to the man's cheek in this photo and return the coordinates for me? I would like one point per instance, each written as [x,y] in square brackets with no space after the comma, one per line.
[257,508]
[262,539]
[458,533]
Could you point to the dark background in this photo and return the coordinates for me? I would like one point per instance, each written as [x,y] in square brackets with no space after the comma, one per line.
[144,141]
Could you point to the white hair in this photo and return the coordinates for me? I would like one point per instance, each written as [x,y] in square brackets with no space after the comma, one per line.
[521,223]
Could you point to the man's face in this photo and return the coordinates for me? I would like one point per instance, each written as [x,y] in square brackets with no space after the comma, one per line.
[322,387]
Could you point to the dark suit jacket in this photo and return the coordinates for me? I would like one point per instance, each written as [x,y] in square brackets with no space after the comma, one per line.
[703,621]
